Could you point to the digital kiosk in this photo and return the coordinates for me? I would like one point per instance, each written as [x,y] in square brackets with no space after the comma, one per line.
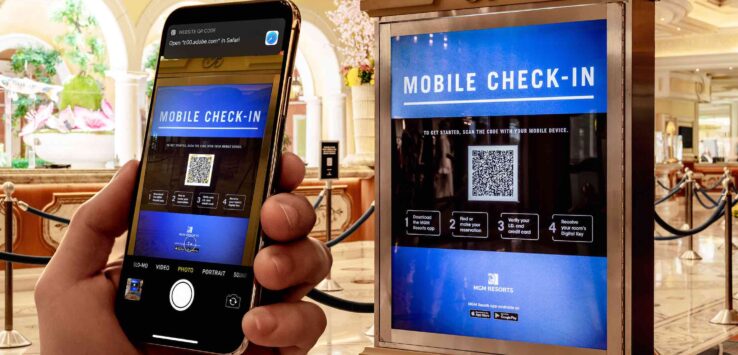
[512,163]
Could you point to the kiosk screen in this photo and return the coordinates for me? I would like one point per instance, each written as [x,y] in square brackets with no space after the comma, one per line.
[498,183]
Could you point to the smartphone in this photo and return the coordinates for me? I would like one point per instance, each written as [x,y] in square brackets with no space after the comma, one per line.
[211,147]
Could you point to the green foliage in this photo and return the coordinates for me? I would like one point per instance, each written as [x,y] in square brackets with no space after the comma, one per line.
[82,91]
[22,163]
[80,44]
[150,63]
[38,64]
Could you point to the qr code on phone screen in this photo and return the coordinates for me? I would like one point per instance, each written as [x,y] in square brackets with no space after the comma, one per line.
[493,173]
[199,169]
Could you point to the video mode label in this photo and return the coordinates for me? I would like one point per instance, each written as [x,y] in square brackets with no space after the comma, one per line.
[572,228]
[469,224]
[419,222]
[518,226]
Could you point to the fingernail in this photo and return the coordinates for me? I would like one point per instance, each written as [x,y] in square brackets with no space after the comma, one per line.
[290,213]
[264,321]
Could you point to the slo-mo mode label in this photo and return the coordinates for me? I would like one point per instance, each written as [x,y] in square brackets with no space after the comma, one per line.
[531,70]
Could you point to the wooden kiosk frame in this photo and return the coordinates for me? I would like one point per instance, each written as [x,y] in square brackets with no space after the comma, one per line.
[630,62]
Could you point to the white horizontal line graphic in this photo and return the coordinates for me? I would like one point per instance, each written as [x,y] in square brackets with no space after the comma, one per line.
[174,339]
[226,128]
[511,99]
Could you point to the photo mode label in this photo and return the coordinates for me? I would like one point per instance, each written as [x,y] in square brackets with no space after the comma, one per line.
[571,228]
[469,224]
[423,223]
[518,226]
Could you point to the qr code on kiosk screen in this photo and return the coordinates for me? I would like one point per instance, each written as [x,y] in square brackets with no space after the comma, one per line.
[493,173]
[199,169]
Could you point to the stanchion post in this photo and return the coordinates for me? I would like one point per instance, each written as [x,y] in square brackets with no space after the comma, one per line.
[328,284]
[690,253]
[727,315]
[10,338]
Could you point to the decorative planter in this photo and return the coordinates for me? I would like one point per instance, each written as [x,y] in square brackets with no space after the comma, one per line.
[362,104]
[82,150]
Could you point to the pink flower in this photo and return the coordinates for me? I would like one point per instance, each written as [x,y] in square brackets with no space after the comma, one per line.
[87,120]
[107,109]
[36,120]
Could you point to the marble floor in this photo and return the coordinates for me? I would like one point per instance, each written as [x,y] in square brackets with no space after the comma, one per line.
[687,295]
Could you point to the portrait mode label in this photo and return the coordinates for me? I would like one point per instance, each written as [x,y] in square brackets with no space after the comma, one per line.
[418,222]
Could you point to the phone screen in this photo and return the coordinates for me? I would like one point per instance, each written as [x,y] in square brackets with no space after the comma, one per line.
[207,161]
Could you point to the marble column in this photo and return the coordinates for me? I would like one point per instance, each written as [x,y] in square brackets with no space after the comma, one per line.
[335,114]
[313,130]
[127,115]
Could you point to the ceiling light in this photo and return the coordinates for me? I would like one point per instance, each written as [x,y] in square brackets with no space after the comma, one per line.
[679,28]
[730,68]
[697,70]
[663,19]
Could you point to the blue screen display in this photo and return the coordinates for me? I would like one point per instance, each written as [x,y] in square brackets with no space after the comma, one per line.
[179,236]
[499,183]
[201,166]
[541,69]
[211,111]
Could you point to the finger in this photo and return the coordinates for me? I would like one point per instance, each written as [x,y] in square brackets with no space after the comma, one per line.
[112,272]
[302,262]
[285,325]
[94,227]
[291,173]
[286,217]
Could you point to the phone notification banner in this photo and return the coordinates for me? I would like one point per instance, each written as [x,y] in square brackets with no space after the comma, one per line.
[499,183]
[555,69]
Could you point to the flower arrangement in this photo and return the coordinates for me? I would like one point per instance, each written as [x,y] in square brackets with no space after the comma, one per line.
[70,120]
[356,41]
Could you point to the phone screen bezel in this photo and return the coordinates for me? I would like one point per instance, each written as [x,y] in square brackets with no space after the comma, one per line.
[244,11]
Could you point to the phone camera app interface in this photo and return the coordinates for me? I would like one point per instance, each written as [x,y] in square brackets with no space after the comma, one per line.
[195,225]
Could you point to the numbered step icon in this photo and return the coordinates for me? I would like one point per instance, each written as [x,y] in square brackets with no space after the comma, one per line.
[420,222]
[571,228]
[523,226]
[464,224]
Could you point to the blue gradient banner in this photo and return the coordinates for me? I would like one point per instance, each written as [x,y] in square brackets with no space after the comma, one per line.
[529,70]
[218,111]
[536,298]
[191,237]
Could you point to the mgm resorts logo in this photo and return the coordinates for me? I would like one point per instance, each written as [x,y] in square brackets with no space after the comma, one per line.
[189,242]
[493,285]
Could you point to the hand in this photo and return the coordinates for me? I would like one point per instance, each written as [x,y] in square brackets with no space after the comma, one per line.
[75,296]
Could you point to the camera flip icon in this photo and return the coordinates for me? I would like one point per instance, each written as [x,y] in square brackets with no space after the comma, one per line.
[233,301]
